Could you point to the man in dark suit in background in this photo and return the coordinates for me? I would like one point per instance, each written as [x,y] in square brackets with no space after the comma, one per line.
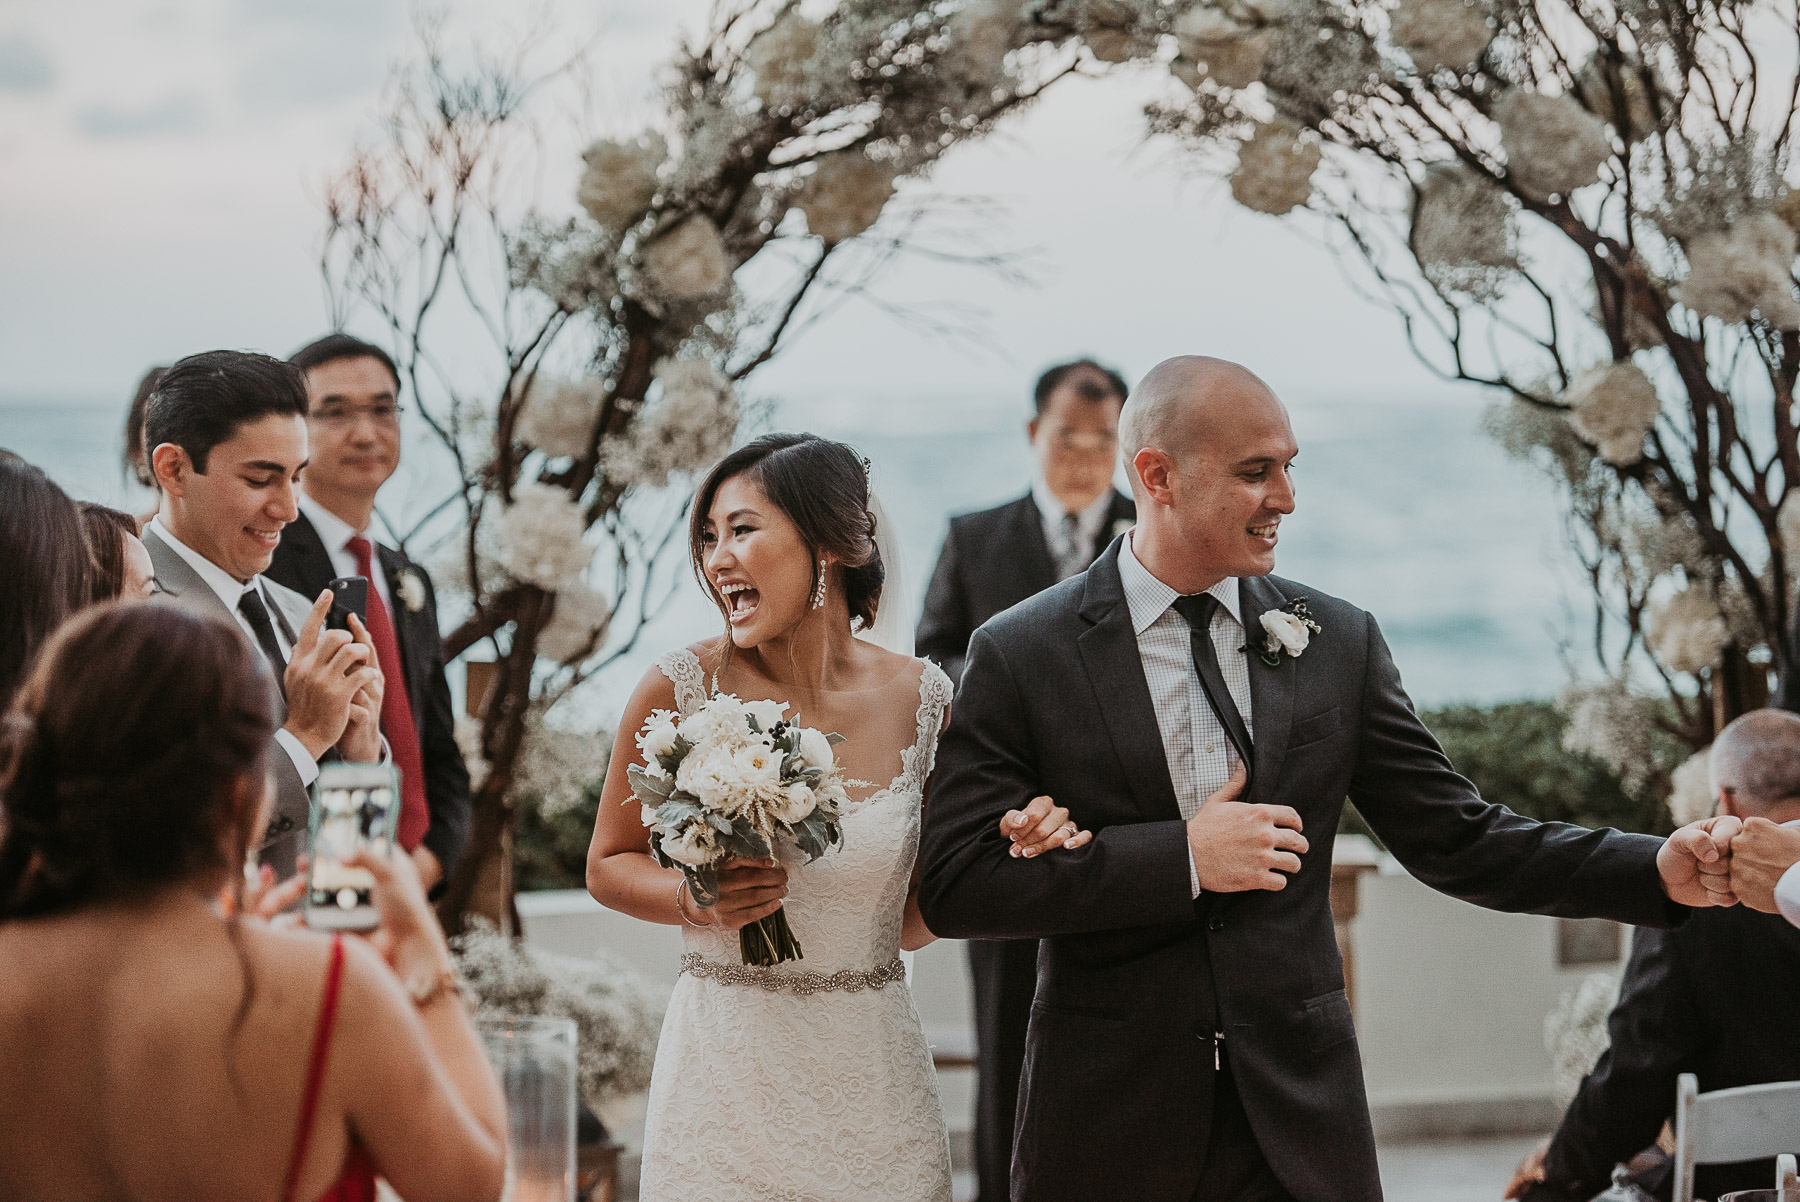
[353,420]
[991,561]
[1717,996]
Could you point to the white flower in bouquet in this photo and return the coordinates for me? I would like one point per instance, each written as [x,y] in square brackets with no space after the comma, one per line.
[577,626]
[558,415]
[695,844]
[1440,33]
[647,813]
[779,56]
[815,749]
[1275,169]
[845,195]
[766,712]
[688,261]
[620,181]
[1686,631]
[759,768]
[1691,796]
[1219,47]
[687,429]
[541,537]
[792,804]
[1746,268]
[1464,233]
[1553,145]
[718,723]
[709,774]
[1613,406]
[658,738]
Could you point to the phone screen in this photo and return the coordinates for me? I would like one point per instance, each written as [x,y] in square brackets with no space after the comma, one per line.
[348,814]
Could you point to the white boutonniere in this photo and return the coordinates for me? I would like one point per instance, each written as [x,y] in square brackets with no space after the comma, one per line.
[412,591]
[1288,629]
[1122,526]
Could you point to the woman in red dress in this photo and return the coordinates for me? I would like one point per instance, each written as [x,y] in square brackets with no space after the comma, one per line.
[154,1048]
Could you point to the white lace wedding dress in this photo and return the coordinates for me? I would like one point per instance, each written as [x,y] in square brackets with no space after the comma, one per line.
[811,1080]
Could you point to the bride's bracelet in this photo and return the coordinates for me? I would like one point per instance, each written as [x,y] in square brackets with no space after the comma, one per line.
[680,887]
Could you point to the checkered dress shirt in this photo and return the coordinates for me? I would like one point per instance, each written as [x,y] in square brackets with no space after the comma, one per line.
[1200,754]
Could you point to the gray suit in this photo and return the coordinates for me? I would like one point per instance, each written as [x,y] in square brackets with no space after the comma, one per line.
[288,823]
[1135,977]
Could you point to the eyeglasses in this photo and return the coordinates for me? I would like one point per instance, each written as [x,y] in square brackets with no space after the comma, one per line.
[1085,441]
[343,415]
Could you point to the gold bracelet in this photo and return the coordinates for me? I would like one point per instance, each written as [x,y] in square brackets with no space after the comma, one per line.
[682,910]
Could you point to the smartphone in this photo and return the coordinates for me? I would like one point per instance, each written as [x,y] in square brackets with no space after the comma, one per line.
[353,806]
[349,595]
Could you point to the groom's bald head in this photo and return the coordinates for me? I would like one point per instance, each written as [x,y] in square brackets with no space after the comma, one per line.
[1208,447]
[1191,401]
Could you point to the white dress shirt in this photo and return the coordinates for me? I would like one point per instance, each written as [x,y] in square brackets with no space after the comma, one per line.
[1201,755]
[1052,513]
[1787,890]
[229,589]
[336,534]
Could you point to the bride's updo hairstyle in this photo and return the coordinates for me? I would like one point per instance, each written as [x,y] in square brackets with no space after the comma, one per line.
[119,755]
[823,488]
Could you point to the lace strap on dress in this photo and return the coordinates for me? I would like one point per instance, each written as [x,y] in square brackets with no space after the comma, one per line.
[934,696]
[683,669]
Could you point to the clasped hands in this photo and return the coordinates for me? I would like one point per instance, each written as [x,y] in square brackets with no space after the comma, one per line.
[334,688]
[1236,846]
[1725,860]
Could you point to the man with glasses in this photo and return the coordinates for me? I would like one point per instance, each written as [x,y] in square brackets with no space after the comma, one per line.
[991,561]
[353,424]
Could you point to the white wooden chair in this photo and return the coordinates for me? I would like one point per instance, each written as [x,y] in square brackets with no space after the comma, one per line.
[1746,1123]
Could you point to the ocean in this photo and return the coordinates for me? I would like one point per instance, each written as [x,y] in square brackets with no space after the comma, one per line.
[1403,508]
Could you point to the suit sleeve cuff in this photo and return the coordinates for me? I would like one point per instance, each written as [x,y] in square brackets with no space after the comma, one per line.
[1787,895]
[304,764]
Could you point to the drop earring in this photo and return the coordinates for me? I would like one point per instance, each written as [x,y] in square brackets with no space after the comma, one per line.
[818,597]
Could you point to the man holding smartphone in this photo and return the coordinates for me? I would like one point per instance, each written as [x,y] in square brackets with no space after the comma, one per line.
[226,432]
[353,424]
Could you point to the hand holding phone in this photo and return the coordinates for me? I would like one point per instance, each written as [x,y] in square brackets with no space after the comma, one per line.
[349,595]
[355,809]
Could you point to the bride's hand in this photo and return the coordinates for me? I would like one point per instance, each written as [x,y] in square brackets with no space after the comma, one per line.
[1040,827]
[748,890]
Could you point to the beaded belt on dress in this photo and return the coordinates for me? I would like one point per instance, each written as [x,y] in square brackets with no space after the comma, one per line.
[774,979]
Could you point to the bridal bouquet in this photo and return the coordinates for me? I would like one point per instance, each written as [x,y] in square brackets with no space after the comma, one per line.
[732,779]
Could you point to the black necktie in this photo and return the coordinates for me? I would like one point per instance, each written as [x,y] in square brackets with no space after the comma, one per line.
[1198,610]
[255,613]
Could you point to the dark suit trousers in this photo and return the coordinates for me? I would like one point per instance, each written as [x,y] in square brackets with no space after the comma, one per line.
[1004,975]
[1235,1168]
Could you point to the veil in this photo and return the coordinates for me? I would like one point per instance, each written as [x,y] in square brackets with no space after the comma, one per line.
[893,626]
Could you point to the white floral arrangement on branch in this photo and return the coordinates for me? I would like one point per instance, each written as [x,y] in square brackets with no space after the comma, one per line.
[738,780]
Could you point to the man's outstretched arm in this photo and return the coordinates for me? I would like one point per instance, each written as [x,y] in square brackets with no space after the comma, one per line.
[971,887]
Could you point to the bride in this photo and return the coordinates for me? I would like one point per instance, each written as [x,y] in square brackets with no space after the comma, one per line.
[811,1080]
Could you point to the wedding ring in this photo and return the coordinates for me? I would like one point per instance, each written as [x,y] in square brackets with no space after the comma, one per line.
[1068,829]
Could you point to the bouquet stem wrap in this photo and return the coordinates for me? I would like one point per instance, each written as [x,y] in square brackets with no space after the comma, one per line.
[737,780]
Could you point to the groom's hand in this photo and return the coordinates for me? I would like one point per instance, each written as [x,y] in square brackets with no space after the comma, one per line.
[1695,862]
[1760,857]
[1239,847]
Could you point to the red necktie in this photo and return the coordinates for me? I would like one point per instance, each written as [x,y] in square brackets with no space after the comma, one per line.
[396,708]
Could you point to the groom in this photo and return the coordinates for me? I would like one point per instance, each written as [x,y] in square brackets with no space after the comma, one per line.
[1191,1039]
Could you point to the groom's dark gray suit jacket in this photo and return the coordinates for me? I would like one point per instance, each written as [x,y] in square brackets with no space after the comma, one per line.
[1134,975]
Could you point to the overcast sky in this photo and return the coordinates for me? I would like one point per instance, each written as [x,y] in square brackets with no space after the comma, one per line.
[163,164]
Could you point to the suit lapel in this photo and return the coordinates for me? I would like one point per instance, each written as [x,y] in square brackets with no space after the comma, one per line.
[180,580]
[1271,688]
[1028,536]
[1109,654]
[312,562]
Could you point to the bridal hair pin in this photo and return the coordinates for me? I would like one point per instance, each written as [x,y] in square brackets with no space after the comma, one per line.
[818,597]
